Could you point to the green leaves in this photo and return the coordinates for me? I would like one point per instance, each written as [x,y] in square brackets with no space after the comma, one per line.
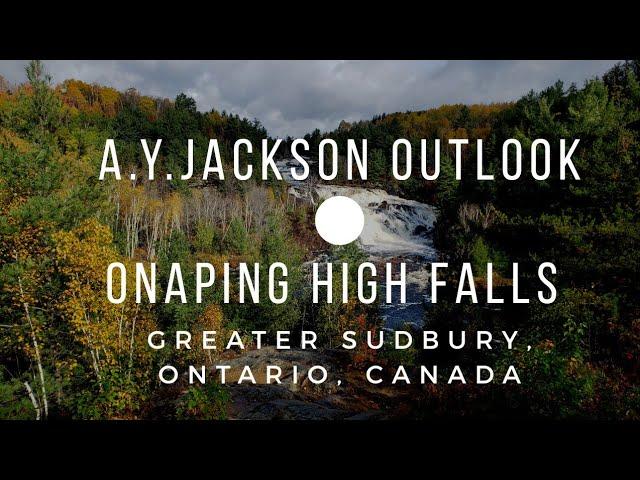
[584,357]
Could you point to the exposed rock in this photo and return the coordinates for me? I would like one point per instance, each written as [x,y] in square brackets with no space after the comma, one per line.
[291,410]
[422,230]
[369,415]
[353,399]
[258,360]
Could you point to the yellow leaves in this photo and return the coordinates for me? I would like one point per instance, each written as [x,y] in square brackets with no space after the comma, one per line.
[91,239]
[83,255]
[455,133]
[212,319]
[91,99]
[148,107]
[110,333]
[216,260]
[9,138]
[439,122]
[109,100]
[497,280]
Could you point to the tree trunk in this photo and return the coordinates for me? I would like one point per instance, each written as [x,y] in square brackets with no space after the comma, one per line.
[37,352]
[34,401]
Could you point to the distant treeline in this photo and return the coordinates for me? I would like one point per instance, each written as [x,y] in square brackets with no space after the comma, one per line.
[585,360]
[65,351]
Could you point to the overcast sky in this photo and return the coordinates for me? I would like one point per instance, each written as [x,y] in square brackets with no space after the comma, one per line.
[295,97]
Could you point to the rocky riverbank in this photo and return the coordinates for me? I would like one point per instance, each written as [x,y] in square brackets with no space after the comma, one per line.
[344,396]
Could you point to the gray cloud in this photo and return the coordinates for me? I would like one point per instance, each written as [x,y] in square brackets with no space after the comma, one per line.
[294,97]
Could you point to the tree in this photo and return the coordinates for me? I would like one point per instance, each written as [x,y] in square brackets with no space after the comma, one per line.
[111,338]
[44,106]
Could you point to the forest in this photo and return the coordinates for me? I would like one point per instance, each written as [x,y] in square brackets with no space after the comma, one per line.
[586,356]
[67,352]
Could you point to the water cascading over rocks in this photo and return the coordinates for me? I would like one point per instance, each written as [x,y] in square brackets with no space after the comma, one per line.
[394,229]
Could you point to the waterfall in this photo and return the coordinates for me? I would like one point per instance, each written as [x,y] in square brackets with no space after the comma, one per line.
[394,228]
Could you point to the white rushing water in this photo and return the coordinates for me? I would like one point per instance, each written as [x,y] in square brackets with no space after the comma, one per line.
[393,225]
[394,229]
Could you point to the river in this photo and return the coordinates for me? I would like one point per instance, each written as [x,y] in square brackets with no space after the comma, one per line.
[395,230]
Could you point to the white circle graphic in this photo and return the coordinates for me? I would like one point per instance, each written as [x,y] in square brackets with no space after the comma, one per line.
[339,220]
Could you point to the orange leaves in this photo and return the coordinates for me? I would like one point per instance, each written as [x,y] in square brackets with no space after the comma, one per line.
[73,95]
[93,99]
[363,354]
[348,319]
